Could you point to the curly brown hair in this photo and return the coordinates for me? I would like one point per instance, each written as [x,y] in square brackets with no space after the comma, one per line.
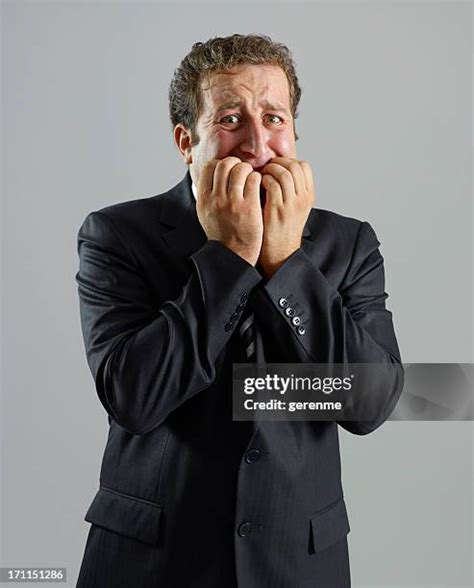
[218,55]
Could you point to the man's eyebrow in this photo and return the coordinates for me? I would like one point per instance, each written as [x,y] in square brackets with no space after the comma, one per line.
[266,104]
[269,106]
[229,104]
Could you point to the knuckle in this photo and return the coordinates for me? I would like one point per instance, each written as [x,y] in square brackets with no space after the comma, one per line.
[210,164]
[234,209]
[306,167]
[221,164]
[245,167]
[237,170]
[227,165]
[231,160]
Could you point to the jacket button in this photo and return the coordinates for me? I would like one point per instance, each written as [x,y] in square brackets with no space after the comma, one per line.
[295,321]
[243,297]
[301,330]
[290,312]
[283,302]
[244,529]
[240,307]
[233,317]
[227,327]
[252,455]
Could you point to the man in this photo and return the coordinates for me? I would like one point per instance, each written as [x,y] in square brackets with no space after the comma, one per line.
[188,497]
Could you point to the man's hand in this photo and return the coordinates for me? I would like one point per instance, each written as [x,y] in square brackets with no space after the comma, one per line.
[228,206]
[289,198]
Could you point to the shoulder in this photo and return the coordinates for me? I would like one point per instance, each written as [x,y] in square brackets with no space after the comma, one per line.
[332,226]
[143,214]
[339,244]
[113,227]
[130,212]
[320,218]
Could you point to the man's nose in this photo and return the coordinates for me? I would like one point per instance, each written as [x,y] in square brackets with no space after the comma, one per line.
[255,140]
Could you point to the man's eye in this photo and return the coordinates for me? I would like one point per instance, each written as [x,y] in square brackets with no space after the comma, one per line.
[230,118]
[274,119]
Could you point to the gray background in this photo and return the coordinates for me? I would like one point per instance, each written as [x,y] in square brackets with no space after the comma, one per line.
[385,120]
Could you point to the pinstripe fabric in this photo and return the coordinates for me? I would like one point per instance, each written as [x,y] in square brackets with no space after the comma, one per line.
[247,335]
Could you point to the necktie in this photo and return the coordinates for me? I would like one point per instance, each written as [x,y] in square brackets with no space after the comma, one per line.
[247,335]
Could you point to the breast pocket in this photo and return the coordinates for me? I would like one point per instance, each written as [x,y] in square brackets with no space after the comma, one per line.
[328,526]
[125,514]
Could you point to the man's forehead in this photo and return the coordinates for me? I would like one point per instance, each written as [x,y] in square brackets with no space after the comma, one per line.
[266,84]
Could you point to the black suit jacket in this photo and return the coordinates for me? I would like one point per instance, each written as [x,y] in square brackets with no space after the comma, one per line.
[188,497]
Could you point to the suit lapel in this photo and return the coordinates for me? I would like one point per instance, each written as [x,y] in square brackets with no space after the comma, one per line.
[183,232]
[306,230]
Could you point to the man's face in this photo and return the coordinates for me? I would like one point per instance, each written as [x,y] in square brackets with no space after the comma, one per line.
[246,114]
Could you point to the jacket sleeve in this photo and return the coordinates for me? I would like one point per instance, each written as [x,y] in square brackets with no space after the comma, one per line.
[348,324]
[148,358]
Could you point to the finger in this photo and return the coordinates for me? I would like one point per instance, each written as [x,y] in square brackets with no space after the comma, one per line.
[237,178]
[308,175]
[205,183]
[284,161]
[221,176]
[274,196]
[283,177]
[252,187]
[295,169]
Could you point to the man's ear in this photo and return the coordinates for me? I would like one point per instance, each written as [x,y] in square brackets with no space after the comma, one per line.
[182,138]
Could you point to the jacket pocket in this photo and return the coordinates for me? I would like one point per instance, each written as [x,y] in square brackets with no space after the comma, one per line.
[126,514]
[329,525]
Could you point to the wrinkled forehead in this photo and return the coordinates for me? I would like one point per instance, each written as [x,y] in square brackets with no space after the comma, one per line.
[249,84]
